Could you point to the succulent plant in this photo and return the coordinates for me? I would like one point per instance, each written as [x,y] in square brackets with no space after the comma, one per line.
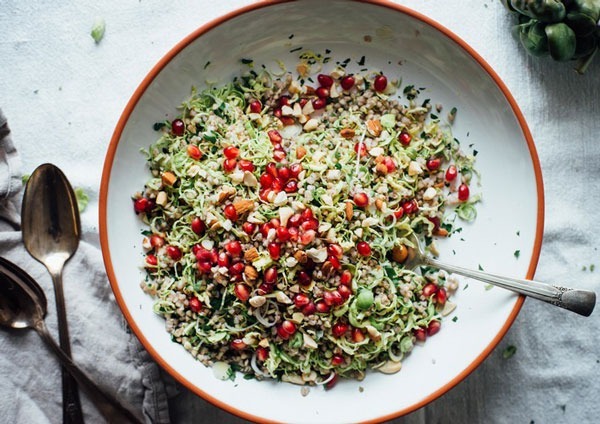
[564,29]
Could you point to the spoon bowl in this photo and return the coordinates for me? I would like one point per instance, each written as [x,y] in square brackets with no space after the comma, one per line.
[579,301]
[23,305]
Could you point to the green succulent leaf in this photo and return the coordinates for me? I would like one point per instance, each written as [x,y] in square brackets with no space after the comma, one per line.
[582,24]
[589,8]
[542,10]
[561,41]
[537,41]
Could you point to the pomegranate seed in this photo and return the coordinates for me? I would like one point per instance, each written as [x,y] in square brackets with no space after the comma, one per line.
[198,226]
[283,234]
[293,233]
[214,256]
[264,229]
[347,82]
[238,344]
[360,149]
[435,221]
[322,307]
[322,92]
[311,224]
[143,205]
[295,170]
[441,296]
[325,80]
[203,255]
[229,165]
[275,137]
[399,213]
[204,267]
[420,334]
[303,278]
[291,186]
[429,290]
[335,250]
[275,223]
[230,213]
[234,248]
[289,327]
[156,241]
[271,169]
[242,292]
[410,207]
[331,384]
[380,83]
[346,278]
[344,291]
[433,327]
[223,260]
[284,173]
[339,329]
[248,227]
[262,354]
[195,304]
[357,335]
[433,164]
[265,288]
[301,300]
[174,252]
[284,100]
[282,333]
[307,214]
[389,164]
[308,236]
[177,127]
[332,298]
[451,173]
[337,360]
[151,260]
[194,152]
[231,152]
[319,103]
[255,106]
[266,180]
[361,200]
[246,165]
[277,112]
[270,275]
[264,194]
[363,248]
[274,250]
[237,268]
[463,192]
[295,220]
[404,138]
[309,309]
[287,120]
[335,262]
[278,156]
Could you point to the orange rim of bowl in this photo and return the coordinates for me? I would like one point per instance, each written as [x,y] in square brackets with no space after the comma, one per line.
[110,155]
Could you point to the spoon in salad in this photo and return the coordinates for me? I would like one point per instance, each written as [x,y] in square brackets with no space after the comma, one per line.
[579,301]
[51,230]
[23,305]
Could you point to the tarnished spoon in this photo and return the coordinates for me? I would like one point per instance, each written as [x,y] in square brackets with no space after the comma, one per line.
[579,301]
[51,231]
[23,305]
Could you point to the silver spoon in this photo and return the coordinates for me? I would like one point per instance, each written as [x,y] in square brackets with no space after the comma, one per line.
[51,231]
[23,305]
[581,302]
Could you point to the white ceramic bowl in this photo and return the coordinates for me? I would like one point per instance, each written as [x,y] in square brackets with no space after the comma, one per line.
[509,218]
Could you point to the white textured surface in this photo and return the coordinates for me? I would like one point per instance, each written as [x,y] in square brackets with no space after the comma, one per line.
[62,95]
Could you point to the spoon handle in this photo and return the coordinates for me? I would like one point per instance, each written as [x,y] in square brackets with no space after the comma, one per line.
[72,413]
[581,302]
[109,406]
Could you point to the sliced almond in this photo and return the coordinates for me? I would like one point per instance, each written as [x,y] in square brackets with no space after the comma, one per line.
[250,180]
[381,169]
[347,133]
[441,232]
[168,178]
[161,198]
[300,152]
[301,256]
[251,273]
[374,127]
[243,206]
[311,124]
[349,211]
[226,193]
[390,367]
[379,204]
[251,254]
[303,69]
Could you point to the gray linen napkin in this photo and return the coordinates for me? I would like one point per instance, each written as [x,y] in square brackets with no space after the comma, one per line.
[30,382]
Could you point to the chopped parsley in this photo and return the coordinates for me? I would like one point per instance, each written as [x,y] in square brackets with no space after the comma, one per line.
[517,254]
[509,352]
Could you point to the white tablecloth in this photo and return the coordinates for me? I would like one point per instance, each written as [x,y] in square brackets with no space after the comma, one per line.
[63,94]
